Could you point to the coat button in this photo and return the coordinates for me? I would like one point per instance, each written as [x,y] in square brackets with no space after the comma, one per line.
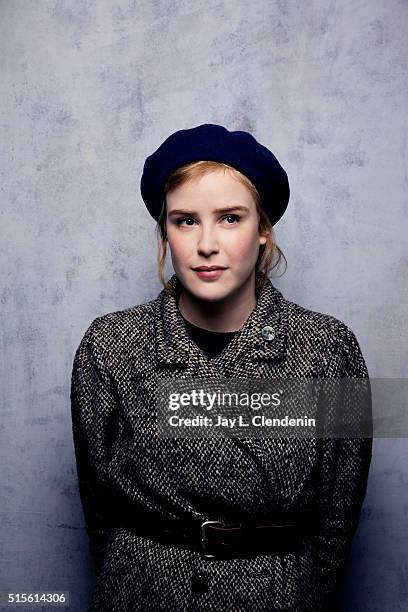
[199,582]
[268,333]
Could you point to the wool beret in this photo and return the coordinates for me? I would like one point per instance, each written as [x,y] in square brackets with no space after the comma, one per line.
[214,142]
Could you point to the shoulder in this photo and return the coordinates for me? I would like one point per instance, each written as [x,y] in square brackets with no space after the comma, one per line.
[121,330]
[321,333]
[315,323]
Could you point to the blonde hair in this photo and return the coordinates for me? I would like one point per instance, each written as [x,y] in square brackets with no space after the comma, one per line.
[270,255]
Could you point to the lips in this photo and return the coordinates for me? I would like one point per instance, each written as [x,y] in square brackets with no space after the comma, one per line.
[208,268]
[209,273]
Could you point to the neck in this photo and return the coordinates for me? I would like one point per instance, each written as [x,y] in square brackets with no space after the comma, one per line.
[225,315]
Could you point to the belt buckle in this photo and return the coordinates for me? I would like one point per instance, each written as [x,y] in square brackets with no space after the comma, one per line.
[204,542]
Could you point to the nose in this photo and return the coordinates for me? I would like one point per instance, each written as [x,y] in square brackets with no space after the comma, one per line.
[207,241]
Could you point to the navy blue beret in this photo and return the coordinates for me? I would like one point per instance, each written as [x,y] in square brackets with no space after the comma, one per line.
[214,142]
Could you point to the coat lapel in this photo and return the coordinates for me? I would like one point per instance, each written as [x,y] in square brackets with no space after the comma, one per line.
[174,345]
[240,359]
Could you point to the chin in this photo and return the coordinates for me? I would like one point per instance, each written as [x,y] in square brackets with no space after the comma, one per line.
[211,292]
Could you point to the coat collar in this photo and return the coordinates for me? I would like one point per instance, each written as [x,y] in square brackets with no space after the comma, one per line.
[263,335]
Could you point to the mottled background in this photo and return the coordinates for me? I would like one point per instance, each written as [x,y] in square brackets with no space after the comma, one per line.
[88,90]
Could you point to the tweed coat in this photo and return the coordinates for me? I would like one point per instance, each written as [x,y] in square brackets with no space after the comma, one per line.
[124,468]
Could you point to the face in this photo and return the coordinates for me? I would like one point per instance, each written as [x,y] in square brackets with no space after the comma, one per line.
[213,221]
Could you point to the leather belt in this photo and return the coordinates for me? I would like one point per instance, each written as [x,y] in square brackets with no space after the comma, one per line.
[214,539]
[241,540]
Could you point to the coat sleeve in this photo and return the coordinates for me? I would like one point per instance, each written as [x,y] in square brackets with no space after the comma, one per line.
[93,412]
[344,468]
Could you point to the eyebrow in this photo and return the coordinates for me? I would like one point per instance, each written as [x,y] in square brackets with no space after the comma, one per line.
[179,211]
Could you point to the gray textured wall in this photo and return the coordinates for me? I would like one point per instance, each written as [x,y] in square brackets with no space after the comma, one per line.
[88,90]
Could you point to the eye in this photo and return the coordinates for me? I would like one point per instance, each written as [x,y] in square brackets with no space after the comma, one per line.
[237,217]
[180,220]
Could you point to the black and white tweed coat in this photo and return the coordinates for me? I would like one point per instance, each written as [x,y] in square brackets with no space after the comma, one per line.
[125,469]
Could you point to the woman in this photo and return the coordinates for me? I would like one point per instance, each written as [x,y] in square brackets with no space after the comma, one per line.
[175,523]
